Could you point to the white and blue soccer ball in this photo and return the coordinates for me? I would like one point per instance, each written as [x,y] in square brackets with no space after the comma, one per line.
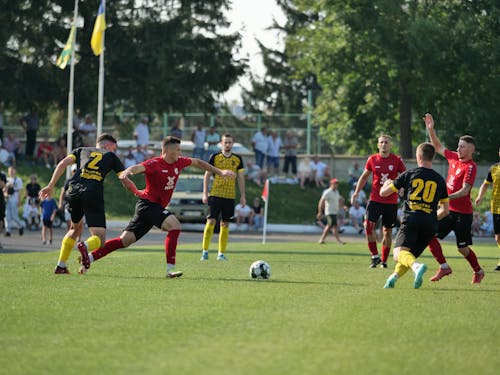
[260,269]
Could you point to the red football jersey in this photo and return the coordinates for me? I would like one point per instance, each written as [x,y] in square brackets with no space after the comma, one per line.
[161,178]
[383,169]
[459,172]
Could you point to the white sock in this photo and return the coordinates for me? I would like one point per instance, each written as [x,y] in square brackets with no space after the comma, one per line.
[415,266]
[61,264]
[170,267]
[444,266]
[91,257]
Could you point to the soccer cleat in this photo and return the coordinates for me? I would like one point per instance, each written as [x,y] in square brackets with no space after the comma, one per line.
[375,262]
[221,257]
[204,256]
[477,277]
[383,265]
[84,260]
[391,281]
[171,275]
[442,272]
[82,268]
[61,270]
[497,268]
[419,276]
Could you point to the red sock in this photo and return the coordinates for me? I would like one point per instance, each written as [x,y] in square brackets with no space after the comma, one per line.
[109,246]
[171,245]
[385,253]
[472,259]
[372,246]
[437,250]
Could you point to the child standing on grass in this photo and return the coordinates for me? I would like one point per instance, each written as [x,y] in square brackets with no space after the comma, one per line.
[49,209]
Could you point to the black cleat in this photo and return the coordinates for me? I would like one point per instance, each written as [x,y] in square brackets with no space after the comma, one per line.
[375,262]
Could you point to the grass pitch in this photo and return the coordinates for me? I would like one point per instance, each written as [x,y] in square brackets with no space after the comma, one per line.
[322,312]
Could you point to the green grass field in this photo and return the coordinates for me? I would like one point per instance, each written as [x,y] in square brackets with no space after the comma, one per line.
[322,312]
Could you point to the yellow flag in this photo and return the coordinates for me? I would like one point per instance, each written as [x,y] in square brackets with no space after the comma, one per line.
[65,55]
[96,42]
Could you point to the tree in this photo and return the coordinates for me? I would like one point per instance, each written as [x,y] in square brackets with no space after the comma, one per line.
[382,64]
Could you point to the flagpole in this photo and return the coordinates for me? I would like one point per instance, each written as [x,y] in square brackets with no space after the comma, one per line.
[69,139]
[266,200]
[100,93]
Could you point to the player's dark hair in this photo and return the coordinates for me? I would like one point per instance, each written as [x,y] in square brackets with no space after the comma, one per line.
[169,140]
[227,135]
[468,139]
[427,151]
[105,137]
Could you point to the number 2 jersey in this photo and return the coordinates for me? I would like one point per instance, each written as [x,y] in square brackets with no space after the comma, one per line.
[93,166]
[424,189]
[384,169]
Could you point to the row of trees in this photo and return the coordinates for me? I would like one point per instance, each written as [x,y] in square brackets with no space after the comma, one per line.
[372,66]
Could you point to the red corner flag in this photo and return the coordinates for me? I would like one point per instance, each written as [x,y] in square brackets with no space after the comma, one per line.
[265,191]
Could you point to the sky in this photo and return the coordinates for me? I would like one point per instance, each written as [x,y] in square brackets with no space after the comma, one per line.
[251,18]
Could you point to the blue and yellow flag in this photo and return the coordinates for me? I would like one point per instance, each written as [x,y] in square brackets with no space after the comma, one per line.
[65,55]
[97,35]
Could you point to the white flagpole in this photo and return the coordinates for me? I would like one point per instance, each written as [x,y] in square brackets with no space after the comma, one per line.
[69,131]
[264,228]
[100,93]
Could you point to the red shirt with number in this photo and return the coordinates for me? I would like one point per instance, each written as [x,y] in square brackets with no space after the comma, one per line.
[459,173]
[161,178]
[383,169]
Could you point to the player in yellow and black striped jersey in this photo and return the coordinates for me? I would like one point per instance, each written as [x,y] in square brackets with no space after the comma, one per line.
[493,179]
[222,195]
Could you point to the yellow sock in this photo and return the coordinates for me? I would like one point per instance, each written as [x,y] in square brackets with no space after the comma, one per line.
[223,237]
[208,232]
[400,269]
[93,243]
[67,244]
[406,258]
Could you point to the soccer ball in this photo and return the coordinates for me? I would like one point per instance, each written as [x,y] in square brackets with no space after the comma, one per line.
[260,270]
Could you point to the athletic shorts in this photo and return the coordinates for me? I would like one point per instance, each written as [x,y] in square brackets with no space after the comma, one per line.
[90,204]
[415,234]
[222,207]
[389,213]
[496,223]
[47,223]
[147,214]
[331,220]
[461,224]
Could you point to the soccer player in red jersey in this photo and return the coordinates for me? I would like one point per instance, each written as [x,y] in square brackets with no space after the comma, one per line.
[384,165]
[461,175]
[161,175]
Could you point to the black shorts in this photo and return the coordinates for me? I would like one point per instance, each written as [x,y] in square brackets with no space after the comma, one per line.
[222,207]
[389,213]
[415,234]
[461,224]
[47,223]
[147,214]
[331,220]
[496,223]
[90,204]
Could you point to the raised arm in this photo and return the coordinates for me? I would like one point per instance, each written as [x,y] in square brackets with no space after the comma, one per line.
[56,175]
[429,124]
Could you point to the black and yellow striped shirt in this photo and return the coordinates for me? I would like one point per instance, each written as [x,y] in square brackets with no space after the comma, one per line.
[225,187]
[494,178]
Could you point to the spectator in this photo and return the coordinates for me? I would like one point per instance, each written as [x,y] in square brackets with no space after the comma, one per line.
[244,215]
[304,172]
[354,173]
[259,145]
[274,144]
[3,182]
[357,216]
[258,213]
[319,171]
[33,188]
[1,125]
[342,214]
[88,131]
[13,187]
[13,145]
[46,153]
[198,138]
[141,132]
[487,226]
[147,152]
[328,206]
[176,129]
[477,222]
[31,214]
[129,159]
[30,124]
[213,139]
[290,145]
[139,155]
[60,150]
[49,211]
[254,173]
[6,159]
[361,198]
